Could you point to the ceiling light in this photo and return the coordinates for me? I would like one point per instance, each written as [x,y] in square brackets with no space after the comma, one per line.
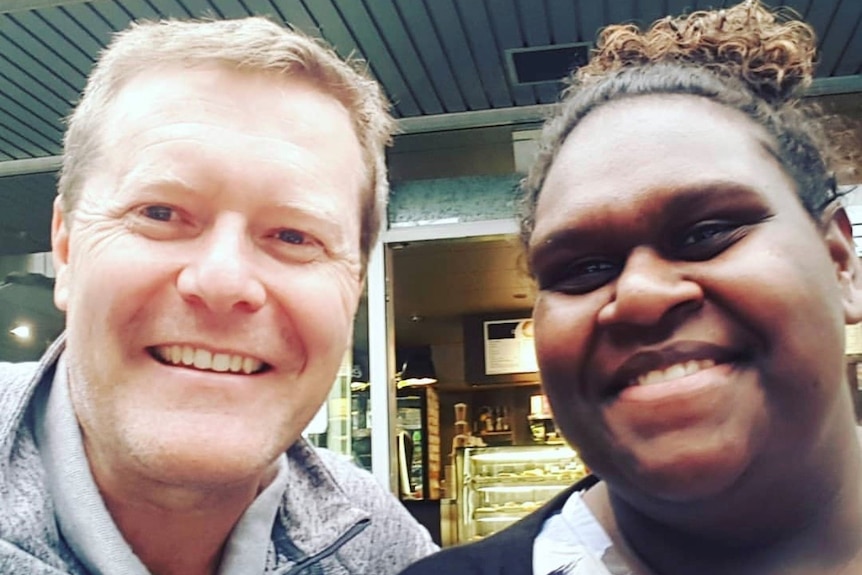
[417,368]
[21,331]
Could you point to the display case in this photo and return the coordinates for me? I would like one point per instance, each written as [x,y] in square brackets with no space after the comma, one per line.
[499,485]
[418,442]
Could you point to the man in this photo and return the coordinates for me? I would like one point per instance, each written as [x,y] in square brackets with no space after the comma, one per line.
[222,185]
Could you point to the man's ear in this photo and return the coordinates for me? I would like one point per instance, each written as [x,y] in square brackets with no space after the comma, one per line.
[60,254]
[838,233]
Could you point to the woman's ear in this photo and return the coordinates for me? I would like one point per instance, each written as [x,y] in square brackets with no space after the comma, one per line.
[838,233]
[60,254]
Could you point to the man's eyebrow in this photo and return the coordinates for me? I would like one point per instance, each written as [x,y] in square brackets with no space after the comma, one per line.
[148,182]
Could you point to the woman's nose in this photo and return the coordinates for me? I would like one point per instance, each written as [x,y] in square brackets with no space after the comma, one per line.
[648,288]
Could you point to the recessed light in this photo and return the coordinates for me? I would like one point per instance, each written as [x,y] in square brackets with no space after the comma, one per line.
[21,331]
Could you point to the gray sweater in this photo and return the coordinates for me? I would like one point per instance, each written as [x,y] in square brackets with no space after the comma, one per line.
[334,517]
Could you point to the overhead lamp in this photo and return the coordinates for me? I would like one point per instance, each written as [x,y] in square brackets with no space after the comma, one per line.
[22,331]
[417,367]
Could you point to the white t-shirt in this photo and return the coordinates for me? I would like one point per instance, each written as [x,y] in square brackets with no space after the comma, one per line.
[572,542]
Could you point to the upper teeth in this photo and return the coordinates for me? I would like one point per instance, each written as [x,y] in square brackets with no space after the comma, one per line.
[674,371]
[205,359]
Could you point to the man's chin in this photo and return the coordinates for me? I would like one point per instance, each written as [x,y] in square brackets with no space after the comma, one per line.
[210,459]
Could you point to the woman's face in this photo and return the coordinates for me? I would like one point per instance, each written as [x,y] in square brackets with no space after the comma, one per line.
[689,325]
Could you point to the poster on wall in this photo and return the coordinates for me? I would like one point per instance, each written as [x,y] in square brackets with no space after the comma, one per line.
[509,346]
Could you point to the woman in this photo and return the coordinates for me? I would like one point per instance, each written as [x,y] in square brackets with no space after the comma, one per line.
[695,274]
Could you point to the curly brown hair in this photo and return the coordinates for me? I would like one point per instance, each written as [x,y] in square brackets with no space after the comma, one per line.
[747,57]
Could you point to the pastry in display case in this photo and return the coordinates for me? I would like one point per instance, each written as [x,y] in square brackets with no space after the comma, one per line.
[499,485]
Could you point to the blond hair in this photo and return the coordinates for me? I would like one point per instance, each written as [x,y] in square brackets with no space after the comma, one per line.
[255,44]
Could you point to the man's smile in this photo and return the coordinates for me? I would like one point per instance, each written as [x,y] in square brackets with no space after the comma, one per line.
[204,359]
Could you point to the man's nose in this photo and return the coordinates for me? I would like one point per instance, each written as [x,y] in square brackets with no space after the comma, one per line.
[220,273]
[649,288]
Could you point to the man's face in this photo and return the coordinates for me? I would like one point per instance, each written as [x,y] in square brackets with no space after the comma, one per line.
[210,273]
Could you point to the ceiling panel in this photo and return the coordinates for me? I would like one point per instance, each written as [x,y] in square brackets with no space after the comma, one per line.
[419,27]
[844,25]
[537,32]
[563,22]
[507,30]
[476,24]
[459,55]
[400,44]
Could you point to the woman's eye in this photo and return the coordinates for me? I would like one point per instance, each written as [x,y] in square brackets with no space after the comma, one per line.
[294,237]
[580,277]
[160,213]
[708,239]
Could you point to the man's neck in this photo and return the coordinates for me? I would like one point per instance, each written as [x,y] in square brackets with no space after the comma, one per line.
[178,530]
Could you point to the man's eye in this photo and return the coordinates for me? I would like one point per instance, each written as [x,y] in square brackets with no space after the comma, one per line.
[160,213]
[294,237]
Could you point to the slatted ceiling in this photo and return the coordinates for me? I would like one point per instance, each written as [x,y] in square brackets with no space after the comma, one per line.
[820,16]
[28,74]
[172,8]
[839,34]
[17,134]
[107,11]
[620,11]
[476,23]
[460,56]
[230,8]
[851,63]
[590,20]
[534,23]
[40,119]
[400,44]
[676,7]
[43,43]
[419,26]
[95,23]
[645,13]
[799,6]
[507,31]
[13,145]
[561,17]
[295,12]
[354,17]
[17,139]
[82,30]
[166,9]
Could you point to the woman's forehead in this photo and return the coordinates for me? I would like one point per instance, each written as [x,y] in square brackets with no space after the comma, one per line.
[649,148]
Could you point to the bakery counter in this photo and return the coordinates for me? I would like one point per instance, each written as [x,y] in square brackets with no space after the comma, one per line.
[499,485]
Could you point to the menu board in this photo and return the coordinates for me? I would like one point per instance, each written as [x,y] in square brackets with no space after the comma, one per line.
[509,346]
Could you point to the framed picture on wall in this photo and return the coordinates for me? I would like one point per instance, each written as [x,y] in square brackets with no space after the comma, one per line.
[499,348]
